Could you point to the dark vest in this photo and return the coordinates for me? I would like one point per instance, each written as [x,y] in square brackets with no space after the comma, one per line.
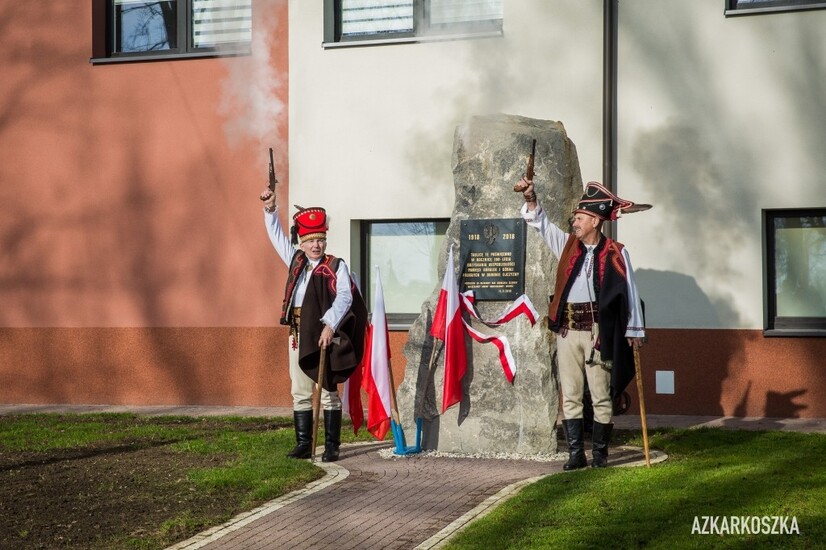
[342,357]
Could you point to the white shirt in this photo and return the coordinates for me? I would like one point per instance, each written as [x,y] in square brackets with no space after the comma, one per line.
[344,298]
[583,286]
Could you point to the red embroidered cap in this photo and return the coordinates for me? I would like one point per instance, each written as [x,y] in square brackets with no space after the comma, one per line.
[310,223]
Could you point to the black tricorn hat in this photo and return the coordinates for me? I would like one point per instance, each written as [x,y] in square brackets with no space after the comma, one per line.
[598,201]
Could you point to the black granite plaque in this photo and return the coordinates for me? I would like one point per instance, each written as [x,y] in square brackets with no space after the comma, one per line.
[492,257]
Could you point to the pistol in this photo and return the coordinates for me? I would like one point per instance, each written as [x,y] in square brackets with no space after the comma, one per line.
[273,179]
[520,186]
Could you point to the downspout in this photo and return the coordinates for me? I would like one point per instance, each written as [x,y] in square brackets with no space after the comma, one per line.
[609,99]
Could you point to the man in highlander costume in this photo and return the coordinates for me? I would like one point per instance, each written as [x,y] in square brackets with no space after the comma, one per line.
[325,314]
[595,311]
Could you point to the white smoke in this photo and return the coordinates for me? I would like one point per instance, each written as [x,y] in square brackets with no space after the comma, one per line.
[250,99]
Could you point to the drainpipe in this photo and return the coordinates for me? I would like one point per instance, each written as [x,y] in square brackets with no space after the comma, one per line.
[609,98]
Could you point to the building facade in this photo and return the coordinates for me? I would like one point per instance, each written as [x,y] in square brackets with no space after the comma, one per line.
[136,270]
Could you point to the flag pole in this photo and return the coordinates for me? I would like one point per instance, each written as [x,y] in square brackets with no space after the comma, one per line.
[317,399]
[427,376]
[642,407]
[394,406]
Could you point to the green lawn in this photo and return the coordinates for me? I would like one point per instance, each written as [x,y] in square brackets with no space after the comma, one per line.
[234,464]
[130,481]
[715,473]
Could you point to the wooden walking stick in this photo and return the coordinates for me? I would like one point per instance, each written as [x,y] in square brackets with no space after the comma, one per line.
[322,363]
[642,407]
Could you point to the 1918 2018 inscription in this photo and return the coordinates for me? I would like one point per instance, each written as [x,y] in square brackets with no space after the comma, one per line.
[492,256]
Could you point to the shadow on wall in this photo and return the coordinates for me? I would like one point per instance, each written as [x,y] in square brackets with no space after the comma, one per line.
[714,371]
[674,300]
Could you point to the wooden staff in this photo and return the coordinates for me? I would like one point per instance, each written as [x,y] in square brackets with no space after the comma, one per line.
[322,363]
[642,406]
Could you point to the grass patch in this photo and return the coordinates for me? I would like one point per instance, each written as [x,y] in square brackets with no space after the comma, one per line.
[710,472]
[129,481]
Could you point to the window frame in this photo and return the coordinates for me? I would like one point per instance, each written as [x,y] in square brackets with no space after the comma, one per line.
[421,32]
[395,321]
[773,325]
[778,6]
[103,39]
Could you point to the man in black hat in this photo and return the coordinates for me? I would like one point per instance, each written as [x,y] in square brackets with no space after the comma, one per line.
[595,311]
[325,314]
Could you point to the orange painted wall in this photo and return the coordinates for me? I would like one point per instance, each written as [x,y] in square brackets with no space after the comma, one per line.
[129,198]
[152,366]
[734,373]
[134,258]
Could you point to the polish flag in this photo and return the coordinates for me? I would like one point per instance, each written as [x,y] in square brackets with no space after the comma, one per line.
[351,399]
[376,374]
[448,325]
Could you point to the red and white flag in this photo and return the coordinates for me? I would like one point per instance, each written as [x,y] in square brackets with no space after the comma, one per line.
[376,374]
[448,325]
[351,399]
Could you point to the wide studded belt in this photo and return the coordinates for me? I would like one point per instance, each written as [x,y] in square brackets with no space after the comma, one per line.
[579,316]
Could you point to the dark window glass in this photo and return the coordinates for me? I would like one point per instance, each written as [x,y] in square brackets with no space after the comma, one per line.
[409,20]
[747,7]
[145,26]
[129,30]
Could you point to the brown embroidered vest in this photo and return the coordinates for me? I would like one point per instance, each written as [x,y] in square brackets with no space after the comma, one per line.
[570,264]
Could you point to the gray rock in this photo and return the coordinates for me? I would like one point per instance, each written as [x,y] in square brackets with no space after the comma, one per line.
[489,156]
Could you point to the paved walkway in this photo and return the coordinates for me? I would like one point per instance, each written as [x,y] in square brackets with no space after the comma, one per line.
[369,501]
[372,499]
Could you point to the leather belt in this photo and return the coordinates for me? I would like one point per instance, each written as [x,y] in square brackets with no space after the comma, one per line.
[579,316]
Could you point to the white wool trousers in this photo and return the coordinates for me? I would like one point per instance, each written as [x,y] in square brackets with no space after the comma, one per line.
[302,386]
[572,350]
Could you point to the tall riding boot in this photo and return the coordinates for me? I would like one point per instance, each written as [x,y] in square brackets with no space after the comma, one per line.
[576,445]
[601,438]
[332,435]
[303,421]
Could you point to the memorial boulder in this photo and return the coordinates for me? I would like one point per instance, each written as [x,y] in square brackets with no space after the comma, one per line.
[495,416]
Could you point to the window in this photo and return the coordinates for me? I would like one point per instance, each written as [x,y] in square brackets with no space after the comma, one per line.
[134,30]
[363,22]
[750,7]
[795,272]
[407,255]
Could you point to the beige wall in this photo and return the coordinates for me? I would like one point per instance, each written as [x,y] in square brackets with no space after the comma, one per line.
[718,118]
[371,128]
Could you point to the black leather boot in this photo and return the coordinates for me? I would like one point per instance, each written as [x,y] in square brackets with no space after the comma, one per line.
[332,435]
[576,445]
[303,421]
[601,438]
